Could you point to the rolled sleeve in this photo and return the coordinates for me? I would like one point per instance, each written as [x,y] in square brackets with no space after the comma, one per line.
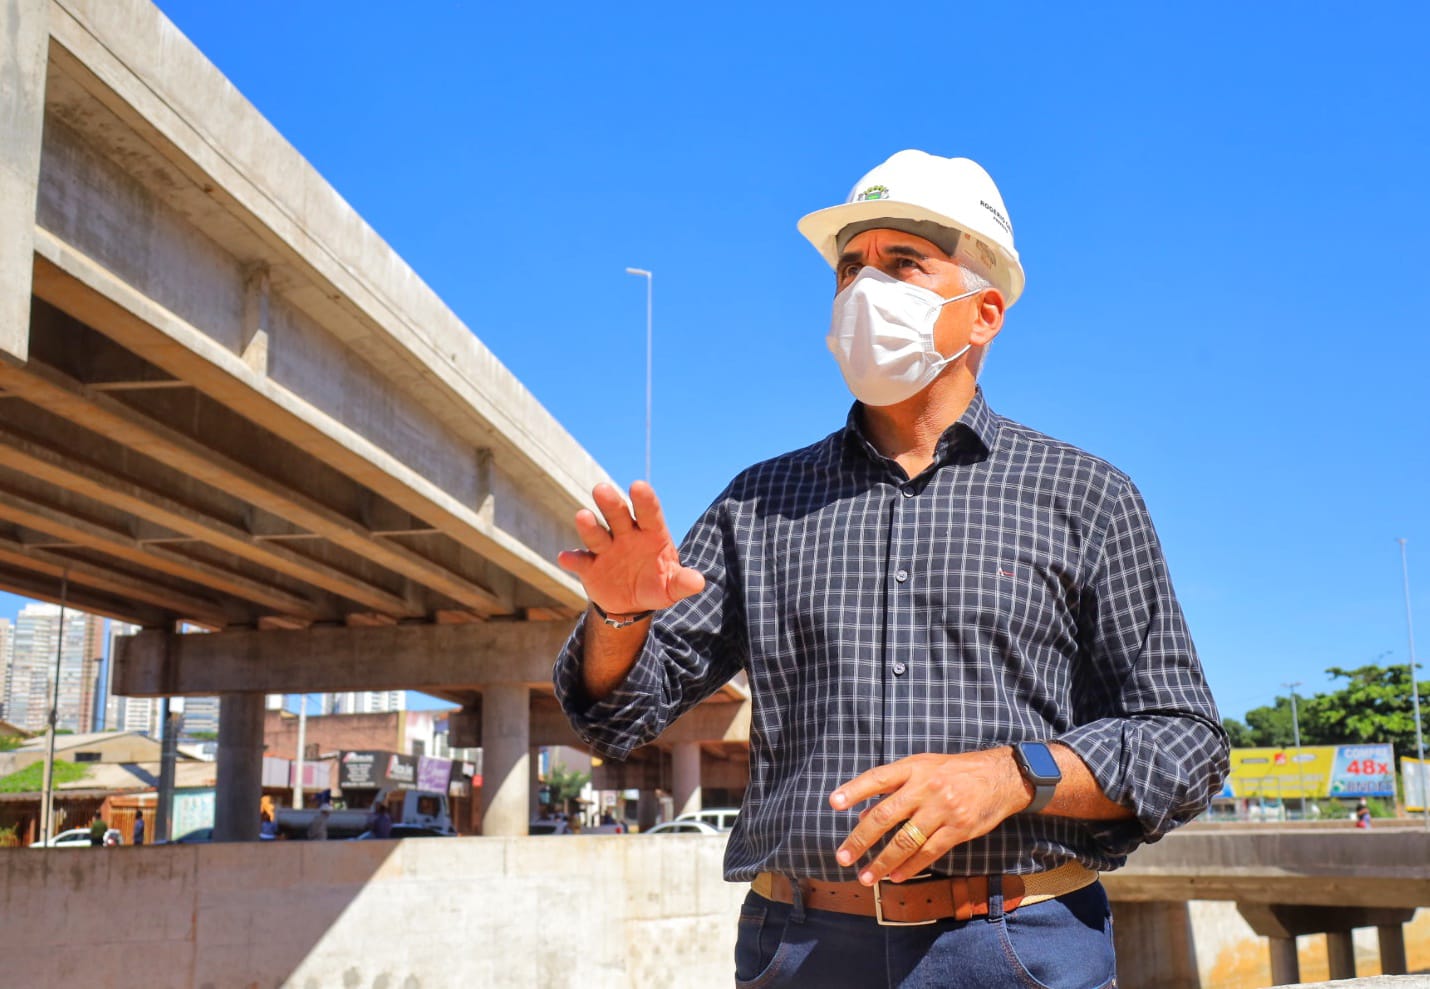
[1150,731]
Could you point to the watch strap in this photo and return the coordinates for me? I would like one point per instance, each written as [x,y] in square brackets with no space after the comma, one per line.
[620,620]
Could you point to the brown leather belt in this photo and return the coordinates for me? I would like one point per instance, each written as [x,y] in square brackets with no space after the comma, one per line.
[926,900]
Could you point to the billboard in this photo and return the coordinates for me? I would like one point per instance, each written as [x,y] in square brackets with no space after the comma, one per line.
[1415,783]
[1312,771]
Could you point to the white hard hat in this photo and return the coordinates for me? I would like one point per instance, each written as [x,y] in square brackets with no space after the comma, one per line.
[924,194]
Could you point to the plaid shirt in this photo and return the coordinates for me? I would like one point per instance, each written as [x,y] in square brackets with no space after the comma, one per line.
[1013,591]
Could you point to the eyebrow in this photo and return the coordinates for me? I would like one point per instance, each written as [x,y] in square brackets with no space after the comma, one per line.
[902,250]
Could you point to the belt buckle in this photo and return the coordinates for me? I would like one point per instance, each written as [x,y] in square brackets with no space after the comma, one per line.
[879,906]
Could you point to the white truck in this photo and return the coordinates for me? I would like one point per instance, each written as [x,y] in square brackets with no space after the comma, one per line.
[408,808]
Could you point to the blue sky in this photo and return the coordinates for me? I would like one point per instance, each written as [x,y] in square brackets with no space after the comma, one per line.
[1222,215]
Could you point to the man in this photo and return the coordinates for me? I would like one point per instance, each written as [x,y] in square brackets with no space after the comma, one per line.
[318,826]
[972,684]
[380,821]
[139,827]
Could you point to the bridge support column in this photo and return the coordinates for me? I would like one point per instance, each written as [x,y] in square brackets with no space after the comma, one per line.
[240,767]
[1285,963]
[24,47]
[685,768]
[1154,944]
[1341,954]
[506,758]
[1281,923]
[1392,950]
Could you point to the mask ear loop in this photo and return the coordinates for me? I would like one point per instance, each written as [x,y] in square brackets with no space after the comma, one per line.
[946,361]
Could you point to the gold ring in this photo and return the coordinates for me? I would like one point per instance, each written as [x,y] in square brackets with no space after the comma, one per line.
[912,830]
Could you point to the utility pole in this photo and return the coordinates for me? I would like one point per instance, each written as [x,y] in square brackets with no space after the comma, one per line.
[1296,741]
[47,808]
[1414,689]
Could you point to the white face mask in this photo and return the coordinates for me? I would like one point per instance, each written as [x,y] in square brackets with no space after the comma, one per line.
[882,337]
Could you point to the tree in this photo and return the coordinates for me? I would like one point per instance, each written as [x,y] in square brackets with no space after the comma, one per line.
[1240,735]
[566,784]
[1374,706]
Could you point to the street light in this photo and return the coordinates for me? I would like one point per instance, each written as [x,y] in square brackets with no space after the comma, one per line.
[649,281]
[1296,740]
[1414,688]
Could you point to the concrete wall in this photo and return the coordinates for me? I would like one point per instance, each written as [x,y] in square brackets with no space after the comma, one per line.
[598,911]
[590,911]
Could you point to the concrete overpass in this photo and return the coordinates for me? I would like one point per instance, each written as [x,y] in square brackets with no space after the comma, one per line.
[226,403]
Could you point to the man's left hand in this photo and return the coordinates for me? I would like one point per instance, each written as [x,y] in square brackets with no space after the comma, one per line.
[949,798]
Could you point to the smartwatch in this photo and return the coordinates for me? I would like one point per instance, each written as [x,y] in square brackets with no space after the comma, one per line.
[1039,768]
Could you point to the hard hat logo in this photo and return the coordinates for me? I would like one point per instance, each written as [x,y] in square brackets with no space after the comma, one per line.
[997,215]
[874,192]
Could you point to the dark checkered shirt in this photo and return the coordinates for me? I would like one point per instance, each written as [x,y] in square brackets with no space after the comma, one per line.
[1013,591]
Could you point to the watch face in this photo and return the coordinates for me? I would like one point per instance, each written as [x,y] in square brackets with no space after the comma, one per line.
[1039,760]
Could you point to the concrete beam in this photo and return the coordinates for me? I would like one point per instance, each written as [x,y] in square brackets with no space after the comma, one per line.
[1275,866]
[396,657]
[24,42]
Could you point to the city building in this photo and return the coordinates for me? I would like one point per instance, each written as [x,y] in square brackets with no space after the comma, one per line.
[363,702]
[36,640]
[7,635]
[138,714]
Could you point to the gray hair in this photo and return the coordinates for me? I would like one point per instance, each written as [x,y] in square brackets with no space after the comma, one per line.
[972,282]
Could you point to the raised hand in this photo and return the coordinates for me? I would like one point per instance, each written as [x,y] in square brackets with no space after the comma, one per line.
[630,563]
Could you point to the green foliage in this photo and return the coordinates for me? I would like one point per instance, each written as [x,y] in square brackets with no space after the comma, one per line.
[1241,736]
[566,784]
[201,736]
[8,743]
[10,837]
[31,779]
[1374,706]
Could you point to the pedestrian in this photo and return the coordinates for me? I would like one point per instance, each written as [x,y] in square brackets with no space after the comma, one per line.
[973,688]
[1362,814]
[380,821]
[318,827]
[139,826]
[97,828]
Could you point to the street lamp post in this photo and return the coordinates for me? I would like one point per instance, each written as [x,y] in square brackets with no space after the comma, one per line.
[1296,741]
[1414,688]
[649,282]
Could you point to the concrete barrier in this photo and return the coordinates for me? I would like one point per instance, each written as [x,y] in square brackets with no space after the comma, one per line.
[590,911]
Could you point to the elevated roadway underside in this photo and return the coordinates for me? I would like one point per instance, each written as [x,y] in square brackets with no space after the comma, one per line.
[227,406]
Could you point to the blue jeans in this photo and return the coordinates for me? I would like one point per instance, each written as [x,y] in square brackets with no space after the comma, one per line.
[1064,943]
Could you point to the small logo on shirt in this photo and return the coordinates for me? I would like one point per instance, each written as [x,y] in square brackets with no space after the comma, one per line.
[1004,572]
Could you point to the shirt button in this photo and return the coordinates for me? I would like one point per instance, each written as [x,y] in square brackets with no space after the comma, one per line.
[899,669]
[901,576]
[908,492]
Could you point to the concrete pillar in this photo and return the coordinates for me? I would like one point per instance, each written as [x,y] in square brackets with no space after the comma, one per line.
[506,758]
[647,809]
[1392,949]
[24,47]
[1285,964]
[240,767]
[1154,944]
[685,767]
[1341,953]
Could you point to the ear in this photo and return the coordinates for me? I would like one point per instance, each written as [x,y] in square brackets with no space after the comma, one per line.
[987,317]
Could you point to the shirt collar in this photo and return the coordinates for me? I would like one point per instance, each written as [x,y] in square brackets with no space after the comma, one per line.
[975,432]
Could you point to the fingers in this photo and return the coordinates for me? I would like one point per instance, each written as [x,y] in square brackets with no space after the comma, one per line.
[577,561]
[880,779]
[684,583]
[595,536]
[613,507]
[880,820]
[646,505]
[939,843]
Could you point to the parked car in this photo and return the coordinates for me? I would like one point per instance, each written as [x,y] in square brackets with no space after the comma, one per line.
[73,838]
[719,818]
[196,836]
[548,825]
[682,826]
[406,831]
